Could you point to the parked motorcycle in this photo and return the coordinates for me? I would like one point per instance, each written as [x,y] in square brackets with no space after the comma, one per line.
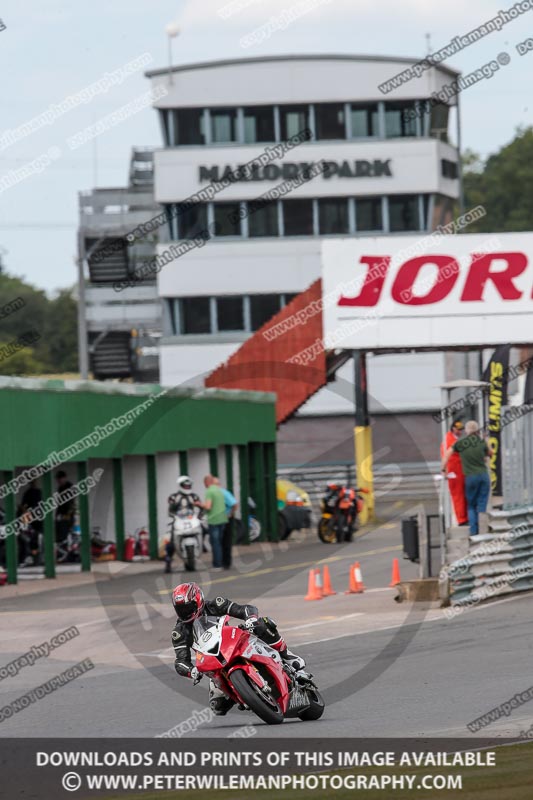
[102,550]
[253,674]
[338,521]
[68,550]
[187,534]
[29,542]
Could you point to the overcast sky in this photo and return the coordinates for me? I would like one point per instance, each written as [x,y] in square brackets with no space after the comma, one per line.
[51,49]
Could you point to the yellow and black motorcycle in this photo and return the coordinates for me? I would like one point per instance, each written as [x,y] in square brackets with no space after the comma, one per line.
[340,508]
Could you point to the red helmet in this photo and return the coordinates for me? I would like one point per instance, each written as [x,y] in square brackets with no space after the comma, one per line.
[188,601]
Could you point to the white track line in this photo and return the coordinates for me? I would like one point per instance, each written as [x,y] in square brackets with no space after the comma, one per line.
[440,618]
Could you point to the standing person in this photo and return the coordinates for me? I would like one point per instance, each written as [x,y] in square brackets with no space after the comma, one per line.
[474,452]
[30,500]
[456,484]
[217,518]
[227,535]
[65,509]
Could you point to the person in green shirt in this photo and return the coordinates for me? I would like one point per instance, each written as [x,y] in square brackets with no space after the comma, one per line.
[215,505]
[474,452]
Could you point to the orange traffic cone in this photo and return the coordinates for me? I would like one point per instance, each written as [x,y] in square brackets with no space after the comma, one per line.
[395,572]
[314,586]
[328,589]
[354,587]
[358,576]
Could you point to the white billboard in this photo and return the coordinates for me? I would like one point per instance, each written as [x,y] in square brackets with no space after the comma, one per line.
[428,291]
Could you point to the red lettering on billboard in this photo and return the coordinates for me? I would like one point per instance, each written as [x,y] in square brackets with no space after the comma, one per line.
[480,273]
[374,279]
[443,282]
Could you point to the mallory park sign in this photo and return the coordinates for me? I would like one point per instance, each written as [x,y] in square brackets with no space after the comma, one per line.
[273,172]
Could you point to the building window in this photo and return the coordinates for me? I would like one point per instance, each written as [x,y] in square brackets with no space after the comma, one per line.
[330,121]
[195,315]
[449,169]
[224,314]
[294,120]
[368,214]
[333,215]
[171,321]
[438,120]
[425,212]
[398,120]
[192,220]
[262,308]
[298,217]
[364,119]
[230,313]
[227,219]
[170,211]
[189,126]
[403,213]
[259,124]
[223,125]
[263,219]
[164,119]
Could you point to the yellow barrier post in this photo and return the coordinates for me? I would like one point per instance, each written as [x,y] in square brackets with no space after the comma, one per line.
[364,470]
[363,438]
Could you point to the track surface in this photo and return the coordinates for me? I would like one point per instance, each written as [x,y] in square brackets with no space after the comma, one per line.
[386,669]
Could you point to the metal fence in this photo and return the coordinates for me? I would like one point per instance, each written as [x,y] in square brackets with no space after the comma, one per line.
[407,481]
[500,562]
[517,456]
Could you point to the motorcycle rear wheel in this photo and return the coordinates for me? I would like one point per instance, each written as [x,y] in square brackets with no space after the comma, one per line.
[254,698]
[316,706]
[326,531]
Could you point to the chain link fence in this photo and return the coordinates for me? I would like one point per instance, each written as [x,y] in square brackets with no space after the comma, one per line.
[517,459]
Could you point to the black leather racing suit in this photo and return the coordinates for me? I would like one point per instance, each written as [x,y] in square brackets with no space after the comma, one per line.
[183,633]
[265,628]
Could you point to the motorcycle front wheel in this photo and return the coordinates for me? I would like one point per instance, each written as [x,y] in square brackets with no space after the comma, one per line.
[266,709]
[326,530]
[190,560]
[316,706]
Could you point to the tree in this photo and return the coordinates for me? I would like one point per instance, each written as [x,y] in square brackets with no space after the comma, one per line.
[22,362]
[61,331]
[55,320]
[502,185]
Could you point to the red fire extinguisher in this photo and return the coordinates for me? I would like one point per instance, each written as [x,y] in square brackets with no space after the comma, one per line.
[143,538]
[129,548]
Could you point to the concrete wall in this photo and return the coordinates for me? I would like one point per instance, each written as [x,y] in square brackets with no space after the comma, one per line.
[168,471]
[135,493]
[101,503]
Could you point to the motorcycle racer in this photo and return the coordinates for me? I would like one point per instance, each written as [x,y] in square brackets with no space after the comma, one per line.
[341,500]
[183,498]
[192,609]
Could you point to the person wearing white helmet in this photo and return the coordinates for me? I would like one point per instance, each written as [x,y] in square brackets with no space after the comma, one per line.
[183,498]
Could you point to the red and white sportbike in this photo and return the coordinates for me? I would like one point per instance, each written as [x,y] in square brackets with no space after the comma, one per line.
[253,674]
